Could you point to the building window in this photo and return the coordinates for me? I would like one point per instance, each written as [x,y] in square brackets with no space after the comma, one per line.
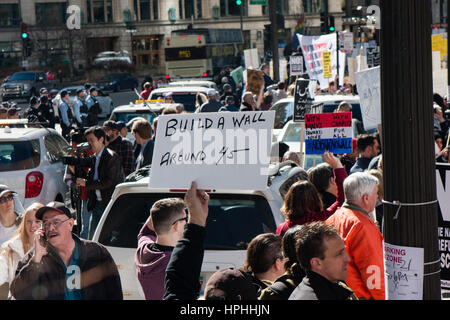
[9,15]
[282,8]
[312,6]
[10,53]
[199,9]
[100,11]
[50,13]
[190,8]
[147,50]
[229,8]
[146,9]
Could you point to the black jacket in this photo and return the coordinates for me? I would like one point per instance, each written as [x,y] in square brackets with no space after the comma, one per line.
[316,287]
[46,280]
[110,173]
[147,155]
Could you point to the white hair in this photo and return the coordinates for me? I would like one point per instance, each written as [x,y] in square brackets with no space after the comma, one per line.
[358,184]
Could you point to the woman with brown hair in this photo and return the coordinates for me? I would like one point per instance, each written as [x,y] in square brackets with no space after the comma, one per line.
[302,203]
[13,250]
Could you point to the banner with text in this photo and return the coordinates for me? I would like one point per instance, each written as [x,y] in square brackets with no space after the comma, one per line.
[443,196]
[328,131]
[369,90]
[223,150]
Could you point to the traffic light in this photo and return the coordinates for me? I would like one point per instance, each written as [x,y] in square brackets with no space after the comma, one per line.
[28,48]
[324,22]
[331,27]
[24,32]
[238,2]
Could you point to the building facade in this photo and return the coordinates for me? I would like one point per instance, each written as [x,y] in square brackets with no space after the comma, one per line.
[140,27]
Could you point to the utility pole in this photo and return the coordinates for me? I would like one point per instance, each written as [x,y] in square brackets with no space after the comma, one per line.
[407,134]
[274,40]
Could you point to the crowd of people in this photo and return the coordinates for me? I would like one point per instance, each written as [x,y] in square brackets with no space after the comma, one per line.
[328,248]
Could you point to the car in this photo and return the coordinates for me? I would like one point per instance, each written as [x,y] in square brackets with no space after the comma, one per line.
[183,95]
[117,82]
[127,113]
[193,83]
[284,108]
[235,217]
[105,101]
[107,57]
[24,85]
[30,162]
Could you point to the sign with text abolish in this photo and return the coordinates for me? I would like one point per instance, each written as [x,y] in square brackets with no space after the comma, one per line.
[223,150]
[328,131]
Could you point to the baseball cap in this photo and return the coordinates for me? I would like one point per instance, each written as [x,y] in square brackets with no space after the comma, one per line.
[43,90]
[110,124]
[120,125]
[226,87]
[80,90]
[167,95]
[92,89]
[5,189]
[56,206]
[235,283]
[211,92]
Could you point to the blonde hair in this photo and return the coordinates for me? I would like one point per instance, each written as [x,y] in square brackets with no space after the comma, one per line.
[21,231]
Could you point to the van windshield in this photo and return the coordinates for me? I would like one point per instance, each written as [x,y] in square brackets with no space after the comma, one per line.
[233,219]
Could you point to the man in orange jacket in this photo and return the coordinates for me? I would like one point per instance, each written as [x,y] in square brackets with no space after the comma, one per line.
[362,238]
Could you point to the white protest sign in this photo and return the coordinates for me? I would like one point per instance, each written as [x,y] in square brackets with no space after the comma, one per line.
[313,48]
[223,150]
[403,272]
[251,58]
[346,42]
[296,65]
[368,84]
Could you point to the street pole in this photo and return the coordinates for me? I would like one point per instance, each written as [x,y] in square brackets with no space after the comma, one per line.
[274,38]
[407,134]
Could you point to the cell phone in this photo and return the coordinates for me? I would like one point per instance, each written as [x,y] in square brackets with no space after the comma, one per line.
[43,240]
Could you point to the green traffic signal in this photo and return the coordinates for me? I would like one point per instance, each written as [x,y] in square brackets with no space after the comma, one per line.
[332,29]
[24,35]
[238,2]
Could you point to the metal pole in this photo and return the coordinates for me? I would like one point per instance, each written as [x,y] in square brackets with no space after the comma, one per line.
[274,38]
[407,133]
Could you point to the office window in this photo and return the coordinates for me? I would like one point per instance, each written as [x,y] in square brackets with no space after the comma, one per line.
[100,11]
[9,14]
[312,6]
[282,8]
[50,13]
[146,10]
[229,8]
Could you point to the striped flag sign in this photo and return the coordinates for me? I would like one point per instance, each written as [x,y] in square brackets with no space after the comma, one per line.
[328,131]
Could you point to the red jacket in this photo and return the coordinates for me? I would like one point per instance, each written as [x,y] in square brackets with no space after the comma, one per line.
[146,93]
[340,174]
[364,245]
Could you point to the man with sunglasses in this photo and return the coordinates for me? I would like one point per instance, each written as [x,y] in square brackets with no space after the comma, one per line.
[62,266]
[156,240]
[9,219]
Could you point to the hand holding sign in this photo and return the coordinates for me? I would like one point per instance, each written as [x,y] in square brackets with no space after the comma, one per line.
[332,160]
[197,203]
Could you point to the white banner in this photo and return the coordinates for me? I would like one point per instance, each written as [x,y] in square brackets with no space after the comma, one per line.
[220,150]
[312,48]
[369,90]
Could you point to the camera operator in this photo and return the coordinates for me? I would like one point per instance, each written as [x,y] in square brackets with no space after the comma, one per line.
[122,147]
[102,178]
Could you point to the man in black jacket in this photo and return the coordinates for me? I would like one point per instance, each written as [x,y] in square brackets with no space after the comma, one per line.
[102,178]
[321,253]
[142,131]
[62,266]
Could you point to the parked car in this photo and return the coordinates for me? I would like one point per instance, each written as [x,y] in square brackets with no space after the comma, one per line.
[117,82]
[127,113]
[193,83]
[235,217]
[106,57]
[30,162]
[183,95]
[23,85]
[105,101]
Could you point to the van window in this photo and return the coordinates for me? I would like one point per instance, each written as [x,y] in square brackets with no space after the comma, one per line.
[19,155]
[186,98]
[233,220]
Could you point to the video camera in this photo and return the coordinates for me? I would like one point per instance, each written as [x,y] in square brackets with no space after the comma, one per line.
[77,156]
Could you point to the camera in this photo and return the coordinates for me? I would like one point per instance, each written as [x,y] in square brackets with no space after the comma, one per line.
[77,156]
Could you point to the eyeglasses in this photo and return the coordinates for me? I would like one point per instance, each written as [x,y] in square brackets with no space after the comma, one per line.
[181,219]
[9,197]
[56,223]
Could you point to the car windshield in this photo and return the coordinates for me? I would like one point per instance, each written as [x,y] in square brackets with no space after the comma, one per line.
[185,98]
[283,113]
[19,155]
[233,219]
[293,132]
[110,77]
[126,117]
[29,76]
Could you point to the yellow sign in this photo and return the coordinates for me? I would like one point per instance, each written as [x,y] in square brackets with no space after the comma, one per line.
[438,43]
[326,56]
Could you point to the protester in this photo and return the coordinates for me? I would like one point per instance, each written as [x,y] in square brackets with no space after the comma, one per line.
[103,178]
[62,266]
[266,76]
[122,128]
[142,131]
[277,151]
[264,259]
[156,241]
[147,90]
[368,148]
[168,97]
[321,253]
[279,93]
[212,105]
[292,156]
[9,217]
[283,286]
[13,250]
[377,215]
[322,177]
[302,203]
[267,101]
[122,147]
[248,102]
[357,125]
[363,240]
[349,159]
[230,105]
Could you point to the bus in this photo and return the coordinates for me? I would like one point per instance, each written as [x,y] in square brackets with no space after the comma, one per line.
[201,53]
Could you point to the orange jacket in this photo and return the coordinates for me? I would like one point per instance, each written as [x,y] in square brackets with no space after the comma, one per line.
[364,245]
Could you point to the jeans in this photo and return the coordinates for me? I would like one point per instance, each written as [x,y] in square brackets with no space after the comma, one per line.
[96,214]
[85,217]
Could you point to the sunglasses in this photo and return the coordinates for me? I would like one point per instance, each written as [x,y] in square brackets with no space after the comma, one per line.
[181,219]
[9,197]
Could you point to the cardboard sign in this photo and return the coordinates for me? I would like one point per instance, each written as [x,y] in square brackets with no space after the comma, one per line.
[326,56]
[328,131]
[220,150]
[296,65]
[369,89]
[302,98]
[237,75]
[255,81]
